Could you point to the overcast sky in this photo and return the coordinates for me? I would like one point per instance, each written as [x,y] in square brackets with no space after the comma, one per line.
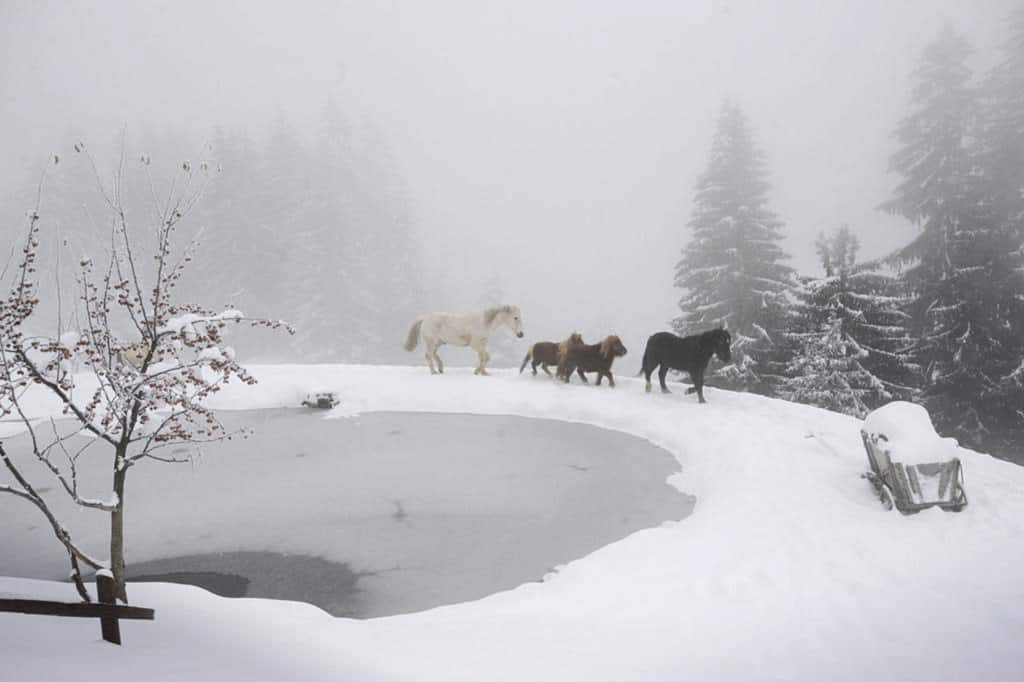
[553,143]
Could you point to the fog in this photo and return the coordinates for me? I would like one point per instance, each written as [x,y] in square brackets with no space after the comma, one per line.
[553,146]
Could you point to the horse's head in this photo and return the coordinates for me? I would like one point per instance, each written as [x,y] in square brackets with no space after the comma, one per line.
[514,319]
[719,340]
[612,347]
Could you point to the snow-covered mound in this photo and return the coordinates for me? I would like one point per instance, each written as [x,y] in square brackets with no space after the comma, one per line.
[909,434]
[788,569]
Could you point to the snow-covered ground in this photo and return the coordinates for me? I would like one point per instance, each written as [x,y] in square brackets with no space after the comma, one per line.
[788,569]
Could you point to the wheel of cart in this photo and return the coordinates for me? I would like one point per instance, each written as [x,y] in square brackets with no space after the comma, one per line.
[911,467]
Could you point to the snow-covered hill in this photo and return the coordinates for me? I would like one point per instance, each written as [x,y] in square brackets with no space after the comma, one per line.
[788,569]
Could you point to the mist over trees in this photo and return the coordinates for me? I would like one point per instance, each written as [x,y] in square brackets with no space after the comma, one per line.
[312,222]
[940,320]
[312,226]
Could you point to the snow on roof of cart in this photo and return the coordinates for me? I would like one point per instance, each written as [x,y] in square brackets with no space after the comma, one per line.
[909,434]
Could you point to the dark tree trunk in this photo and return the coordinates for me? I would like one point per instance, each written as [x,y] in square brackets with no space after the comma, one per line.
[117,565]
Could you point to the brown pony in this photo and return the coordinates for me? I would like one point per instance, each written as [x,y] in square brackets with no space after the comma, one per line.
[547,354]
[597,357]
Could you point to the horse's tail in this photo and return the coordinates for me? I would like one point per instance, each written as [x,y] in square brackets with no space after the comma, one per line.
[529,354]
[643,363]
[414,335]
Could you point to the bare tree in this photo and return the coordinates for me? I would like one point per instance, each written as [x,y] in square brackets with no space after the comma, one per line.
[141,395]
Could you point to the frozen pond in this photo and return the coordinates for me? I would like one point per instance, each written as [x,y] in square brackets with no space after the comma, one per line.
[381,514]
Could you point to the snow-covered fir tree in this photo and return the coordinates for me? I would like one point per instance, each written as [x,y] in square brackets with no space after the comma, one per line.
[277,189]
[731,271]
[1000,159]
[1001,141]
[960,268]
[329,297]
[390,246]
[226,217]
[851,343]
[321,231]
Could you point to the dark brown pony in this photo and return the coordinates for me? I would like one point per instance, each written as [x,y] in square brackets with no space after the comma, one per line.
[690,354]
[548,353]
[597,357]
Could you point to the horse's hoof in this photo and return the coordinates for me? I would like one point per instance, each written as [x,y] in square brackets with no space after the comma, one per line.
[665,390]
[647,388]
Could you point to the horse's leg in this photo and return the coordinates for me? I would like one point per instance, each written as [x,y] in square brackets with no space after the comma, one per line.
[437,356]
[611,379]
[567,374]
[698,383]
[481,350]
[543,367]
[579,371]
[431,347]
[662,373]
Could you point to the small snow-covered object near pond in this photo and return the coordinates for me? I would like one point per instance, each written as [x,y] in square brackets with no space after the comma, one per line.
[912,467]
[324,400]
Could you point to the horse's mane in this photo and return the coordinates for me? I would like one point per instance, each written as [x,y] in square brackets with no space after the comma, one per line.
[575,339]
[606,345]
[492,313]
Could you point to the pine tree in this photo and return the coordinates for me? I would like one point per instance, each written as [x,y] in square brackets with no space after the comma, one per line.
[958,265]
[273,195]
[226,216]
[731,270]
[851,339]
[331,299]
[1001,179]
[1002,138]
[390,244]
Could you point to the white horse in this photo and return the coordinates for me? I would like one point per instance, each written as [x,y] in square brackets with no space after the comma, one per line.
[466,329]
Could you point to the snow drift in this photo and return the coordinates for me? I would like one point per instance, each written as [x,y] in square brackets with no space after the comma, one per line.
[788,569]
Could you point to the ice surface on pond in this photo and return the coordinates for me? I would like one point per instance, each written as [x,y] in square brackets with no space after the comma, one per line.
[425,509]
[909,433]
[296,577]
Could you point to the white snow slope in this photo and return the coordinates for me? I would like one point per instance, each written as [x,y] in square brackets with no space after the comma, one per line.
[788,569]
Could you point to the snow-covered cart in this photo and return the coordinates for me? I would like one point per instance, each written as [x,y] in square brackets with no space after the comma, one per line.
[323,400]
[912,468]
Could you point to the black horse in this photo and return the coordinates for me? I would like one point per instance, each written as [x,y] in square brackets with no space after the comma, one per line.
[690,354]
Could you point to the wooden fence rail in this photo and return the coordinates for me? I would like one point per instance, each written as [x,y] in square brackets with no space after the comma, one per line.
[106,610]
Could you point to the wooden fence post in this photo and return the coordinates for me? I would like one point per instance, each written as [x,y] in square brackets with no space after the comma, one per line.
[105,591]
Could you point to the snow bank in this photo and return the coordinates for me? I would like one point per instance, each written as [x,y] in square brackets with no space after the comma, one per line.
[788,568]
[909,434]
